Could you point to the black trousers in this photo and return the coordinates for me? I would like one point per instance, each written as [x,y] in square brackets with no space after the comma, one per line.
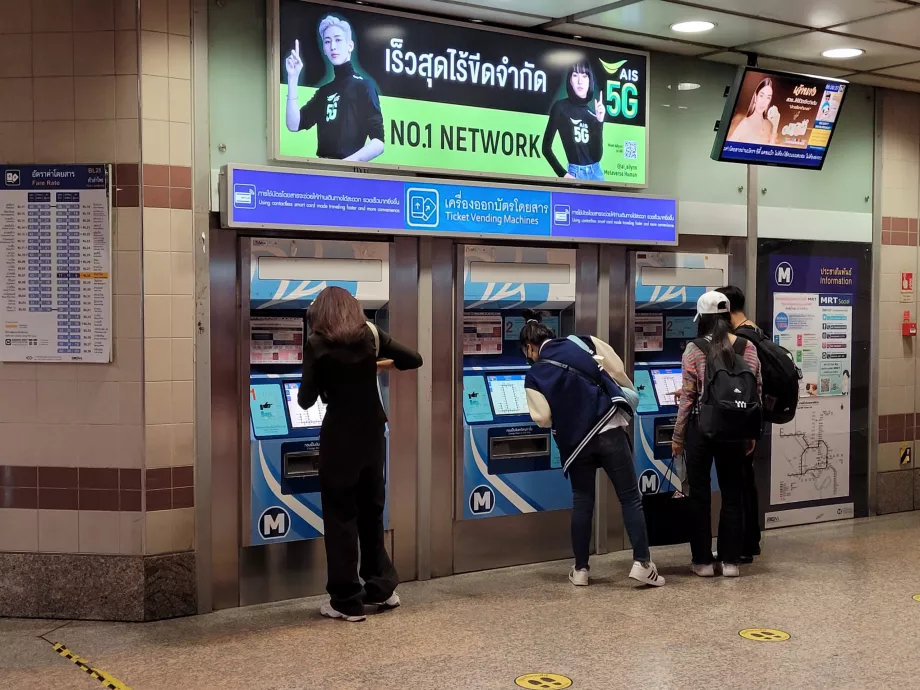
[729,459]
[353,490]
[750,539]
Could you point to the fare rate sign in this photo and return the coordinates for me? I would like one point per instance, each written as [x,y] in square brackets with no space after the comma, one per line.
[380,88]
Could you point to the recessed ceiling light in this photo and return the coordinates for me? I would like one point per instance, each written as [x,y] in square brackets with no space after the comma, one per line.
[476,21]
[687,86]
[694,27]
[843,53]
[577,37]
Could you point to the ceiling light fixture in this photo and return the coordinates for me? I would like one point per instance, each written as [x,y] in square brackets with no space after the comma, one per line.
[687,86]
[476,21]
[694,27]
[843,53]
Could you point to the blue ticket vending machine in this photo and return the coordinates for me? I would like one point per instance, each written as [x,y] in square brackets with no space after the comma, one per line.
[667,287]
[285,277]
[510,465]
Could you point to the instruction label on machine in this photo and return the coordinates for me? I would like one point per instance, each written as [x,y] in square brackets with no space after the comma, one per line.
[55,258]
[482,334]
[275,340]
[649,332]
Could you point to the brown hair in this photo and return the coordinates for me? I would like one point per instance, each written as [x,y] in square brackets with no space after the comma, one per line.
[337,316]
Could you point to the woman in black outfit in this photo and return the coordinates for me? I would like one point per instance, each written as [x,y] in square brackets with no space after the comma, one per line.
[579,120]
[340,365]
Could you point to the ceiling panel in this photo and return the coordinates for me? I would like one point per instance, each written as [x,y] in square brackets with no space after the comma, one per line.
[911,71]
[656,17]
[599,34]
[885,82]
[900,27]
[493,14]
[781,65]
[816,13]
[808,48]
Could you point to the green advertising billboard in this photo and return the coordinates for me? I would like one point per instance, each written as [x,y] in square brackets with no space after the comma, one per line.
[379,88]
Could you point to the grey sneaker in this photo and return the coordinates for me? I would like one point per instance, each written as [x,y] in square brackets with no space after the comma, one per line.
[329,612]
[579,577]
[731,570]
[704,569]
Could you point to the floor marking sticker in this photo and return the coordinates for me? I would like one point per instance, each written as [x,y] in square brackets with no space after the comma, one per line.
[764,635]
[916,597]
[107,680]
[543,681]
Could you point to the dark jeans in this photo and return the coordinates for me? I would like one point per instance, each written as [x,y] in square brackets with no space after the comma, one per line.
[353,495]
[612,453]
[729,459]
[750,540]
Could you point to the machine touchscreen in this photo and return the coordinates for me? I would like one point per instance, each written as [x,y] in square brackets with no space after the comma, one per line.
[508,395]
[667,382]
[301,418]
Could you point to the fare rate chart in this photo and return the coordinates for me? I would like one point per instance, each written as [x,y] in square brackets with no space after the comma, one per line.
[55,257]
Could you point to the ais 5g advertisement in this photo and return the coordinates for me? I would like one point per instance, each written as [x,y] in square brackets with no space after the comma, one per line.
[380,88]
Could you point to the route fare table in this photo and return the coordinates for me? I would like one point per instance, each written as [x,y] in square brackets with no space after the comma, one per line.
[55,263]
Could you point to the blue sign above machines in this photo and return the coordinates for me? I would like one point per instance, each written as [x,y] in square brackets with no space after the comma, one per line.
[297,199]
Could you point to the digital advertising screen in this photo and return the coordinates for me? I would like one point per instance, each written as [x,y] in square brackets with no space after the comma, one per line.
[301,418]
[374,87]
[667,382]
[266,408]
[508,394]
[778,118]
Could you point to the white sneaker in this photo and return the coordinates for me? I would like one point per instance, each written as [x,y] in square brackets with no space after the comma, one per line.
[329,612]
[391,603]
[704,569]
[579,577]
[731,570]
[647,574]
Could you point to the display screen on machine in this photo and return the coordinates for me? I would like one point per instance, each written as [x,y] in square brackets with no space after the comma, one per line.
[301,418]
[508,394]
[667,382]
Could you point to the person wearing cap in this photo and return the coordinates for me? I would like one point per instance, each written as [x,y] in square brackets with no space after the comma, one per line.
[713,317]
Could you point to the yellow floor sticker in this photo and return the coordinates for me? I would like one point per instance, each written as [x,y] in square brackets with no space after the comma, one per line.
[764,635]
[543,681]
[916,597]
[104,678]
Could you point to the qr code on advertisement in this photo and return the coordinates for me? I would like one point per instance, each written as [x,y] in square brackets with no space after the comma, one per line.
[631,150]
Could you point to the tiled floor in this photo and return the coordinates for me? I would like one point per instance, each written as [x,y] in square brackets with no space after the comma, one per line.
[843,591]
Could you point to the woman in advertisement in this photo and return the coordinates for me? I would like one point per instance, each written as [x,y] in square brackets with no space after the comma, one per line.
[579,120]
[761,123]
[341,360]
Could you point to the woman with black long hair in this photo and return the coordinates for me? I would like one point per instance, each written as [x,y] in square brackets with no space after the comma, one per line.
[341,360]
[722,349]
[578,387]
[579,120]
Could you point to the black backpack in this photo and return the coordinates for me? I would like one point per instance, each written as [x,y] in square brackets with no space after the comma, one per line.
[780,377]
[729,408]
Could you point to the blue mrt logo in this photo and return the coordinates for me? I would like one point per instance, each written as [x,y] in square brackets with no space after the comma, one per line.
[482,500]
[274,523]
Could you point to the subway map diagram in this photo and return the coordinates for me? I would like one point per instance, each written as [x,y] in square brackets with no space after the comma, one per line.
[810,457]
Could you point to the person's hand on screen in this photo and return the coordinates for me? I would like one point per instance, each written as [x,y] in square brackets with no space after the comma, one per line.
[600,111]
[569,176]
[773,117]
[294,64]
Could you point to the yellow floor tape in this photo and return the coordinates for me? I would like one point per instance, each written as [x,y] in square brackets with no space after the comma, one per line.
[107,681]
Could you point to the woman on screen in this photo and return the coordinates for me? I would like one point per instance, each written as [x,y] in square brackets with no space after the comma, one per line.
[341,360]
[761,123]
[579,120]
[578,387]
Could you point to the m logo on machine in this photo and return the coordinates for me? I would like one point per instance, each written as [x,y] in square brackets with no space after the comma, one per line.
[649,482]
[482,500]
[274,523]
[784,274]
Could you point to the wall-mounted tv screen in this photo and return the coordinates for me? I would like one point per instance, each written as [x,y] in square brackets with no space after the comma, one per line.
[779,118]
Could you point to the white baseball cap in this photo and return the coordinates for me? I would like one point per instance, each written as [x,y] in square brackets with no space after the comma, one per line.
[711,303]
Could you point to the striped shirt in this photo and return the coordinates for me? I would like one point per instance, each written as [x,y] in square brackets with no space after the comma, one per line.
[693,364]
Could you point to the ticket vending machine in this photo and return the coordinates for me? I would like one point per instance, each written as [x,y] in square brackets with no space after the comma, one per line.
[667,286]
[285,277]
[509,475]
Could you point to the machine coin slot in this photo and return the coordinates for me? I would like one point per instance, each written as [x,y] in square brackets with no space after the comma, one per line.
[299,465]
[518,446]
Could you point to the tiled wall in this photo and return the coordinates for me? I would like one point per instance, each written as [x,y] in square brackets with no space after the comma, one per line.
[84,449]
[899,393]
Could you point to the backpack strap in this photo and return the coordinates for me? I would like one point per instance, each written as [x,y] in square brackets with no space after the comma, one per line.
[703,344]
[584,342]
[740,345]
[376,335]
[566,367]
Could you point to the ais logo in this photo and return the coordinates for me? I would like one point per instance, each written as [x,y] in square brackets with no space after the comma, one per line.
[482,500]
[621,93]
[274,523]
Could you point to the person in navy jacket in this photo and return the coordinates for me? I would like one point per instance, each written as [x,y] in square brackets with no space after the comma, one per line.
[578,387]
